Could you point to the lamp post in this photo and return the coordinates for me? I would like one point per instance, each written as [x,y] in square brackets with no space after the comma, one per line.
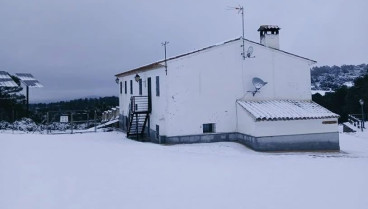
[137,77]
[361,101]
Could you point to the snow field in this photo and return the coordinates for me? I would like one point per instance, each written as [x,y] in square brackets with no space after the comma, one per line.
[106,170]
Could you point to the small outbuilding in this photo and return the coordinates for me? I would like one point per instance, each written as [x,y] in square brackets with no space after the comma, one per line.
[239,90]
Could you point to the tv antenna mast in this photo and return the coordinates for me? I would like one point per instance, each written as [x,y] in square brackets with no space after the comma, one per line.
[241,11]
[164,45]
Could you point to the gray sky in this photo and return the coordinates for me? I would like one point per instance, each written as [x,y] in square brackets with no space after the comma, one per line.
[75,47]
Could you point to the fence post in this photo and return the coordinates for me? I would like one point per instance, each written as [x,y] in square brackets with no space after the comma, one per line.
[71,121]
[88,119]
[94,121]
[47,123]
[13,116]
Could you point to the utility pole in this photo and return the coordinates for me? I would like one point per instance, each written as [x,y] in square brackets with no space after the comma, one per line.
[164,44]
[27,95]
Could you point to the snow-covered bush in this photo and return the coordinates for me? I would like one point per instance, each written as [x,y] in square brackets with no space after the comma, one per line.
[4,125]
[57,126]
[25,124]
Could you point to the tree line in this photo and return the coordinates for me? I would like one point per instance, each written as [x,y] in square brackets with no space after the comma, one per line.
[88,105]
[345,100]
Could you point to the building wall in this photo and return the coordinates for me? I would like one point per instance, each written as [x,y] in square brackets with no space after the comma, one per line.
[247,125]
[159,104]
[203,87]
[288,76]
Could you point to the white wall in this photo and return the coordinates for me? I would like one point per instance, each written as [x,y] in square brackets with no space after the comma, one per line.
[288,76]
[271,40]
[159,103]
[203,87]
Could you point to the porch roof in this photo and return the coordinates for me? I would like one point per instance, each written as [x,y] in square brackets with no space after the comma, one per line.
[272,110]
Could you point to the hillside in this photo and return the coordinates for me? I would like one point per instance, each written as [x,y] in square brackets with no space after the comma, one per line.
[345,100]
[333,77]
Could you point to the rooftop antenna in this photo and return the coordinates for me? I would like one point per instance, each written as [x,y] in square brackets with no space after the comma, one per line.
[164,45]
[241,11]
[258,84]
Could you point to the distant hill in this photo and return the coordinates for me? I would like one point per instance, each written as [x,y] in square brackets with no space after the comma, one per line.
[333,77]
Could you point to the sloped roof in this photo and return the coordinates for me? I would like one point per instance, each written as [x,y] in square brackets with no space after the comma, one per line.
[161,63]
[286,110]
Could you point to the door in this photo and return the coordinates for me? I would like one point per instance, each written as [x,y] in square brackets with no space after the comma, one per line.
[149,94]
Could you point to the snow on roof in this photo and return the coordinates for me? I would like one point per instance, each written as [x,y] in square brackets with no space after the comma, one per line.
[161,63]
[286,110]
[268,27]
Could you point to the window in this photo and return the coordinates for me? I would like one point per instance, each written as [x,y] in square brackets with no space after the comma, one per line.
[157,86]
[157,131]
[131,87]
[140,86]
[121,87]
[126,88]
[209,128]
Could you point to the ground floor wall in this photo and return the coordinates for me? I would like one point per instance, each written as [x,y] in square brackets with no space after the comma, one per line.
[287,142]
[298,142]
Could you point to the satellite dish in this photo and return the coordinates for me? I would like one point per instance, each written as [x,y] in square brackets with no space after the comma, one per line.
[258,84]
[250,52]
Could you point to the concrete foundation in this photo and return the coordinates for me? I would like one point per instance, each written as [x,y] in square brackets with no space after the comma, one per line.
[297,142]
[300,142]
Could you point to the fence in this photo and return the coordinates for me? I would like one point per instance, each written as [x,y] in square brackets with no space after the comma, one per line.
[111,114]
[357,120]
[71,121]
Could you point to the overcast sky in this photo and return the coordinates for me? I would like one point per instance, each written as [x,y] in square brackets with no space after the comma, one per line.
[75,47]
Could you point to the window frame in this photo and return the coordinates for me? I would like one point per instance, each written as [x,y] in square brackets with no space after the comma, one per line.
[131,86]
[157,86]
[208,128]
[140,87]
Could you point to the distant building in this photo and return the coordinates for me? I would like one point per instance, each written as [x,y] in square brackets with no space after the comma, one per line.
[213,94]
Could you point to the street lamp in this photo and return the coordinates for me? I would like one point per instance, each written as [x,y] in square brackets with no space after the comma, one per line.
[361,101]
[117,80]
[137,77]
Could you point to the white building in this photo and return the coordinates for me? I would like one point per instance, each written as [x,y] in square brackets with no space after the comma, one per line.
[209,95]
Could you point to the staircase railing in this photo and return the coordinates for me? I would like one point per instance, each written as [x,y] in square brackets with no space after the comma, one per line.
[356,120]
[139,110]
[139,104]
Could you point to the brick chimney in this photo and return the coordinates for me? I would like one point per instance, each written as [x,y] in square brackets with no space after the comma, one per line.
[269,36]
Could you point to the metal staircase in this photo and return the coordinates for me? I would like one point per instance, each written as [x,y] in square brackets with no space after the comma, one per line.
[139,110]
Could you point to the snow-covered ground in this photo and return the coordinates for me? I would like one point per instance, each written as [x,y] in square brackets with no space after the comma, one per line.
[106,170]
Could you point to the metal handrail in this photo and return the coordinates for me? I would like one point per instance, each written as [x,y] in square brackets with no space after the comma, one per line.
[356,121]
[139,104]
